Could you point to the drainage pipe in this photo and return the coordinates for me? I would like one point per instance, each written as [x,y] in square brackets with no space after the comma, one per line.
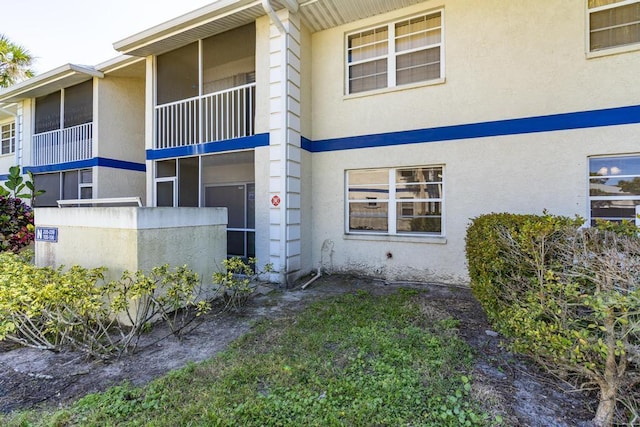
[313,279]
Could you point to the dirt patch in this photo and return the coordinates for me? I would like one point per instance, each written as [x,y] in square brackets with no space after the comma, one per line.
[508,385]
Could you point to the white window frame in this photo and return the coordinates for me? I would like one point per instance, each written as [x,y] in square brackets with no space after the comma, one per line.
[82,185]
[392,55]
[607,50]
[392,203]
[12,138]
[591,198]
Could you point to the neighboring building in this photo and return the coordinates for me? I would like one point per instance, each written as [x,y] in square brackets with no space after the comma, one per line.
[363,136]
[79,130]
[8,129]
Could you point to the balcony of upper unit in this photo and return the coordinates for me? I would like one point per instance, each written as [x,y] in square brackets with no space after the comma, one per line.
[206,90]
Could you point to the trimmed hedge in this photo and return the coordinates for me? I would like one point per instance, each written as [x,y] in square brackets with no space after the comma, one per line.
[567,296]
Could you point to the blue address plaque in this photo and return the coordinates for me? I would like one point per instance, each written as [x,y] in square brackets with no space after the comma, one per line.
[47,234]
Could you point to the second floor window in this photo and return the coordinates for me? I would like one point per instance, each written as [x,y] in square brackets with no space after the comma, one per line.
[613,23]
[395,54]
[70,107]
[8,138]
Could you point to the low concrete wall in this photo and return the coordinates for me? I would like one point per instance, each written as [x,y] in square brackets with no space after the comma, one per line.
[133,238]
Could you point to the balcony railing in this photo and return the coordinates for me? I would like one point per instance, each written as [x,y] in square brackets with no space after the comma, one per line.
[213,117]
[63,145]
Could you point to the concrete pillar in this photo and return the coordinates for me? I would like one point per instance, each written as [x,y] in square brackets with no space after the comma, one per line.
[285,154]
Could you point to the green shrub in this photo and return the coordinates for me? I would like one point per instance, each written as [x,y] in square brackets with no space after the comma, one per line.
[53,309]
[567,296]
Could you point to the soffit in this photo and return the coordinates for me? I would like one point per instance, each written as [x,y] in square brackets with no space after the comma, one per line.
[49,82]
[324,14]
[224,15]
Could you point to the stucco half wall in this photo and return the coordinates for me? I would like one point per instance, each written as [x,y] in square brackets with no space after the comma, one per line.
[132,238]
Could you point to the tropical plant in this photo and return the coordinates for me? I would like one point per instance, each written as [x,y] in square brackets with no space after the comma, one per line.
[15,62]
[16,184]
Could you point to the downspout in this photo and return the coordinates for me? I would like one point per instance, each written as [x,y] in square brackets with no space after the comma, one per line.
[15,116]
[292,6]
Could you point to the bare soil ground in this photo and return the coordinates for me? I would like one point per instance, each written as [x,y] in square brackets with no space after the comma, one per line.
[508,384]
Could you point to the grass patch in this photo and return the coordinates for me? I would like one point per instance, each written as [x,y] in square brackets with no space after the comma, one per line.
[356,360]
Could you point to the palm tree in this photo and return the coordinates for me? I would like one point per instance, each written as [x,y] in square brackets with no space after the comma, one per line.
[15,62]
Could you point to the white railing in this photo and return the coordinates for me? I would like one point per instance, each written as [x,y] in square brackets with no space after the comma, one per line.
[63,145]
[213,117]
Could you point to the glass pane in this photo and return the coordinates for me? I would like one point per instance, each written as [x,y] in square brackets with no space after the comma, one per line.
[368,76]
[166,169]
[615,210]
[188,182]
[177,74]
[419,217]
[86,192]
[70,185]
[614,186]
[615,27]
[47,116]
[418,66]
[598,3]
[368,44]
[164,194]
[86,176]
[419,191]
[251,206]
[228,59]
[432,174]
[251,244]
[368,216]
[370,192]
[78,104]
[614,166]
[235,243]
[368,176]
[50,183]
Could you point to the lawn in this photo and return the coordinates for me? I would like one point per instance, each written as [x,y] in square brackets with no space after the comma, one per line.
[356,360]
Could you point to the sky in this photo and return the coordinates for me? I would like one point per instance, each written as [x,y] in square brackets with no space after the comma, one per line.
[57,32]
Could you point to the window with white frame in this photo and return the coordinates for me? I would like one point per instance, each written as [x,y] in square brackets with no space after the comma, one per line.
[614,187]
[613,23]
[396,200]
[396,54]
[8,138]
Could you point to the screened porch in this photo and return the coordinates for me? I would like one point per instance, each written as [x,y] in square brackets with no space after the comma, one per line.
[205,91]
[63,126]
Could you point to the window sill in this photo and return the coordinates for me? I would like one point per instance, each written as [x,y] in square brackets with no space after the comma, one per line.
[613,51]
[7,155]
[395,89]
[437,240]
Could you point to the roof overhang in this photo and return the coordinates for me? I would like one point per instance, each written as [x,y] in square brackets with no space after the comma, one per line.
[224,15]
[49,82]
[117,63]
[218,17]
[8,111]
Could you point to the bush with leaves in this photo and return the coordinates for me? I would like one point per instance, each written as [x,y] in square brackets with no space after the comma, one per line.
[16,217]
[16,224]
[567,296]
[238,281]
[52,309]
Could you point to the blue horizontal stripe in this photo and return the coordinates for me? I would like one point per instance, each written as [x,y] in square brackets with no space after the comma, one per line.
[88,163]
[555,122]
[260,140]
[4,177]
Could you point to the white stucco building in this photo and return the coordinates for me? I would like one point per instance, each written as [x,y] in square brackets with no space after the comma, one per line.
[79,130]
[362,136]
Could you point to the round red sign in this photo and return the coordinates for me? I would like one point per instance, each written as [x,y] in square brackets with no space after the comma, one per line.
[275,200]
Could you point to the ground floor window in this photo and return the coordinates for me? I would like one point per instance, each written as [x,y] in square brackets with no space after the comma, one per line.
[614,187]
[67,185]
[407,200]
